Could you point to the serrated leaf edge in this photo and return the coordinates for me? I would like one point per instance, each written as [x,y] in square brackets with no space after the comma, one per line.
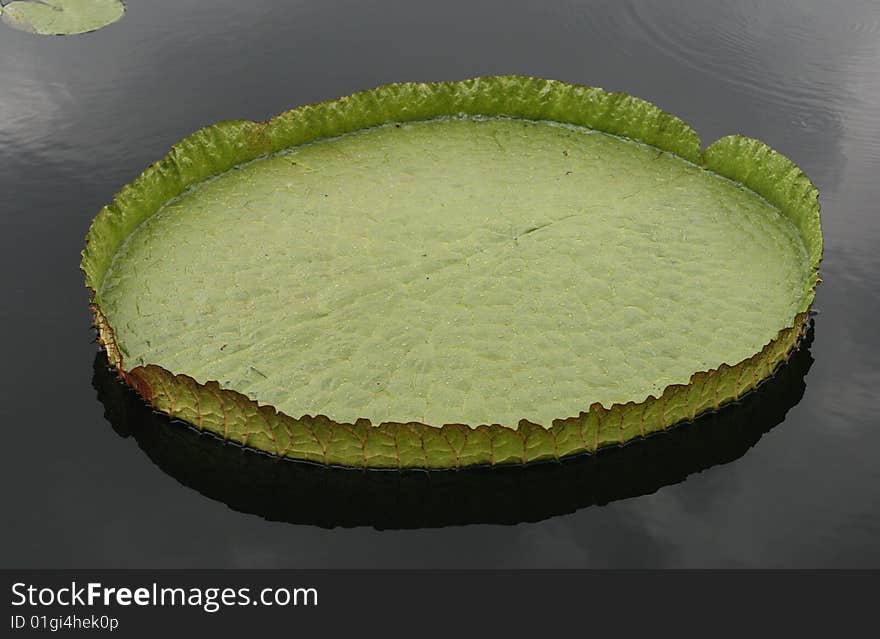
[232,415]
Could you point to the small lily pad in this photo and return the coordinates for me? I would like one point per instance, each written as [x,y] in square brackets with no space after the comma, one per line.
[491,271]
[61,17]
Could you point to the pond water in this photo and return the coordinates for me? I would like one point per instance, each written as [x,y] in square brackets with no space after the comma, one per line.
[787,478]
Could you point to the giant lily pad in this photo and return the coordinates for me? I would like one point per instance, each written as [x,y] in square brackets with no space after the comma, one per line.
[61,17]
[498,270]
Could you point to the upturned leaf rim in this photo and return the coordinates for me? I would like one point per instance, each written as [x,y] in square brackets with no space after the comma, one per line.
[232,415]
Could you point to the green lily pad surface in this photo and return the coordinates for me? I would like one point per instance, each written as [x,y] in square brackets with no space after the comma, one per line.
[498,270]
[61,17]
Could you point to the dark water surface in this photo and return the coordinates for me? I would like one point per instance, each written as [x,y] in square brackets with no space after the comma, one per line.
[790,477]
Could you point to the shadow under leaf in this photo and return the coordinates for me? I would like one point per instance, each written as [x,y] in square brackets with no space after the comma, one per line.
[281,489]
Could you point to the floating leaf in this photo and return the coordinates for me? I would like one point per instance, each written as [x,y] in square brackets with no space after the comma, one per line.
[61,17]
[491,271]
